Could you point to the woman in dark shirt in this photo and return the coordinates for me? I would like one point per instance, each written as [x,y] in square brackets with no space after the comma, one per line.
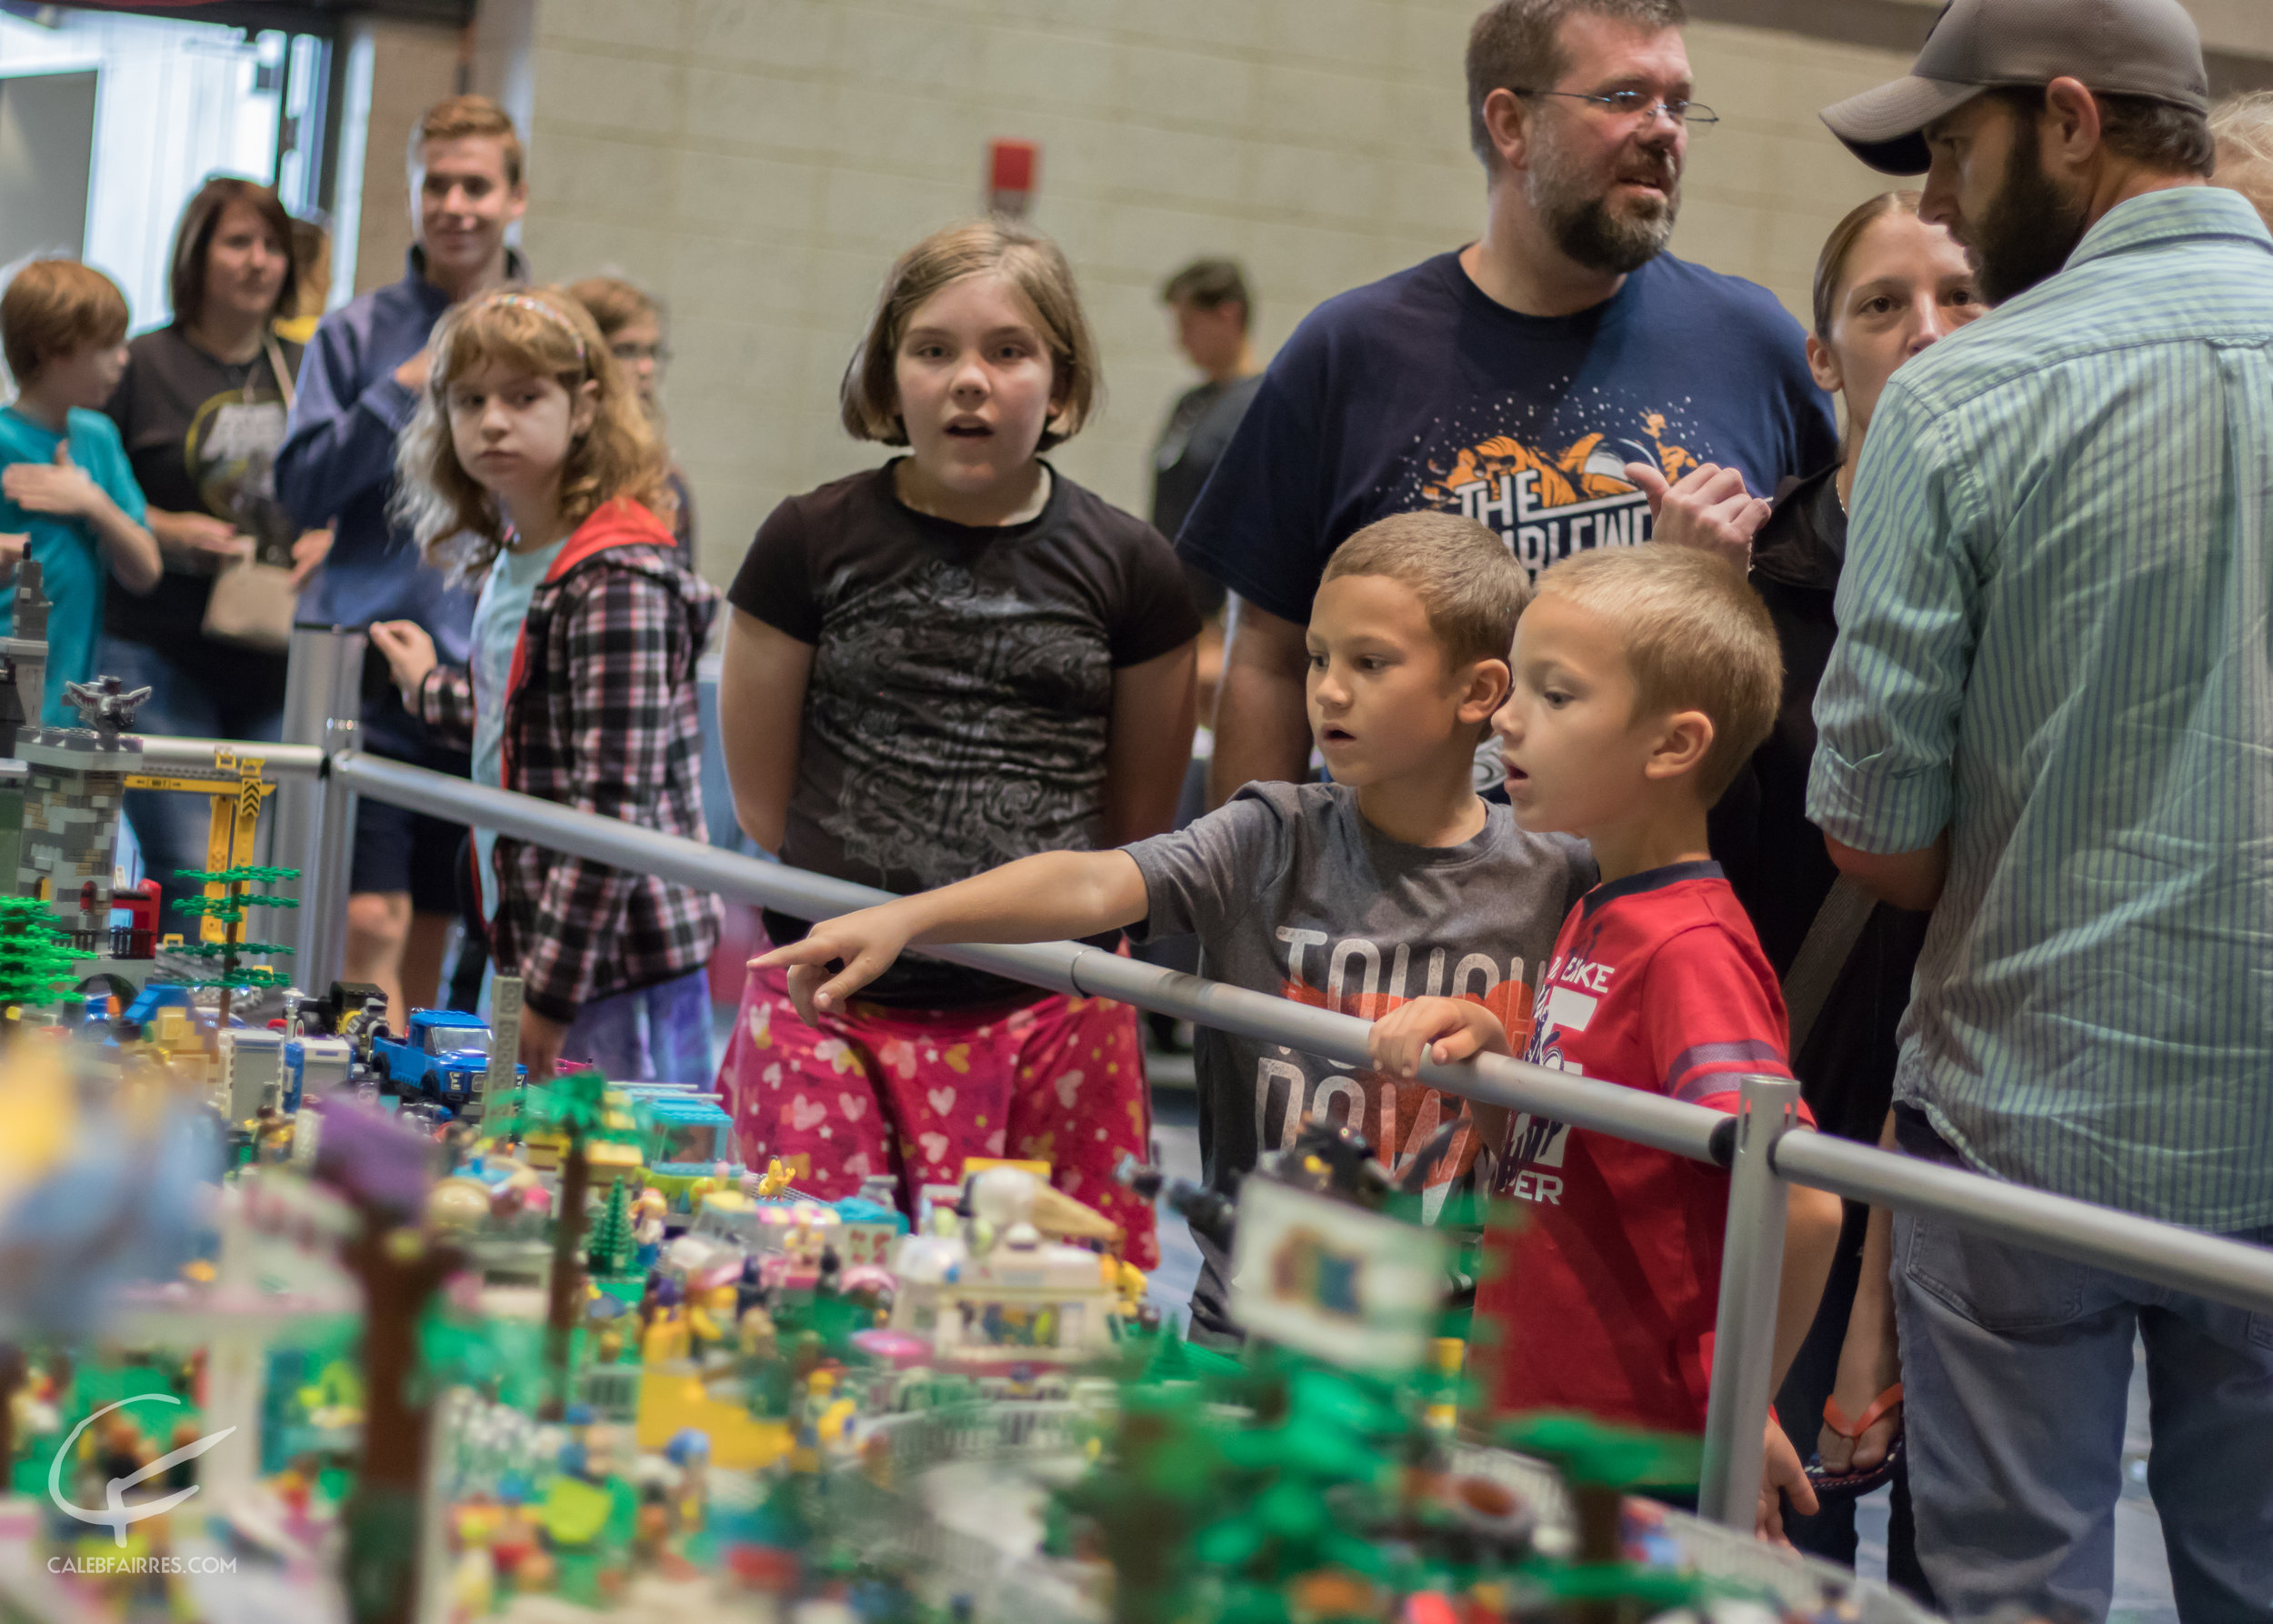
[201,409]
[1886,286]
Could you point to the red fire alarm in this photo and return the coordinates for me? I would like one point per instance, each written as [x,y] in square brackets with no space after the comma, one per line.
[1010,176]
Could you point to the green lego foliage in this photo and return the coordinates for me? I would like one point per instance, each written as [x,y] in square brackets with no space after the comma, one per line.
[231,910]
[577,1106]
[37,959]
[501,1357]
[252,976]
[1284,1489]
[574,1105]
[244,874]
[1597,1454]
[611,1247]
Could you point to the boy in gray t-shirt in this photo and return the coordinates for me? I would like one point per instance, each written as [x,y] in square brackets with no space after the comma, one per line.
[1395,881]
[1291,889]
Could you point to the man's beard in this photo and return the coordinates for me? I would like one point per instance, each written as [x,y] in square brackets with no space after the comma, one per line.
[1584,226]
[2027,234]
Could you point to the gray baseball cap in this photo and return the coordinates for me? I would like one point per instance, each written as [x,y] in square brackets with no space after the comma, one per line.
[2119,48]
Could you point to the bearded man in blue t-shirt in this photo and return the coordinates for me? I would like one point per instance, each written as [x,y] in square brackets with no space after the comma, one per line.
[1551,379]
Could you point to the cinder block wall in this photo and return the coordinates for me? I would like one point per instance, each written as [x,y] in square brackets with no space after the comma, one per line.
[412,66]
[759,162]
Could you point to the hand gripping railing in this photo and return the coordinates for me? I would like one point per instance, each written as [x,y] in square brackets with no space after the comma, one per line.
[1757,1144]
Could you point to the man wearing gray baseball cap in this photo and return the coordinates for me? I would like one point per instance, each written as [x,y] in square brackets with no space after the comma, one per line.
[2047,718]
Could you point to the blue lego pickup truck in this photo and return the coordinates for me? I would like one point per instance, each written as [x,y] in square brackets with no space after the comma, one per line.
[442,1059]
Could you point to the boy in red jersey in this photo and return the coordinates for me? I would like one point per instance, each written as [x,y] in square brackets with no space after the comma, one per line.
[1644,678]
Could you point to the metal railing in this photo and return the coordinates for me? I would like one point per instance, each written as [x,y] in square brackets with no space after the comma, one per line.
[1757,1144]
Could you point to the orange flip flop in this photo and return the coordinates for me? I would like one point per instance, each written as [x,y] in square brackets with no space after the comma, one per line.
[1848,1484]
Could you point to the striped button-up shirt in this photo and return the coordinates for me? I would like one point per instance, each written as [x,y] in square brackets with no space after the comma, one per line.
[2054,643]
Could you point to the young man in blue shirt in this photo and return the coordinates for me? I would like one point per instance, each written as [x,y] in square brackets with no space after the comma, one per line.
[359,385]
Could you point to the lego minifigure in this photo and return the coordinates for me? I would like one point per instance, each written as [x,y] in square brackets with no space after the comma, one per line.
[648,1231]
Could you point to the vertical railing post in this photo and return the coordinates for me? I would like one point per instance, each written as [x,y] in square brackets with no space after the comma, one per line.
[323,683]
[1744,1335]
[331,849]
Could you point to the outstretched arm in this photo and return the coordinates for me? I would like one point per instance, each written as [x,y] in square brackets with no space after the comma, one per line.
[1042,899]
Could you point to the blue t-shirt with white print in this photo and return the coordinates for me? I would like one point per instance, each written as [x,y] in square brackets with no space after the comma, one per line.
[1419,392]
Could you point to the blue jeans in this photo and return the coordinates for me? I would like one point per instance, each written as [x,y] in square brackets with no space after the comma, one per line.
[210,696]
[2016,1367]
[659,1034]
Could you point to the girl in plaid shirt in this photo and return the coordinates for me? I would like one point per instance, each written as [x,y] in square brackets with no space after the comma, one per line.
[531,472]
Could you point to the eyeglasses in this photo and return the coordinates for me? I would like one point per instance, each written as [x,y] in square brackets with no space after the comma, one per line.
[631,355]
[1626,104]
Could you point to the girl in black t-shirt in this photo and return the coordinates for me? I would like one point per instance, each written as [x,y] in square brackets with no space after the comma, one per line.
[934,666]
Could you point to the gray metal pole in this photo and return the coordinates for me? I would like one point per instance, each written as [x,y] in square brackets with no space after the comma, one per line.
[1063,967]
[284,764]
[2060,1224]
[1627,1113]
[323,682]
[2224,1269]
[330,850]
[1744,1335]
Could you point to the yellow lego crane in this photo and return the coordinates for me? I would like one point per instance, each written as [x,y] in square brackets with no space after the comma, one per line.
[237,789]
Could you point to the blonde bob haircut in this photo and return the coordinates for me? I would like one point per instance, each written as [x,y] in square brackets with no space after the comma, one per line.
[1463,574]
[539,332]
[1696,636]
[1034,265]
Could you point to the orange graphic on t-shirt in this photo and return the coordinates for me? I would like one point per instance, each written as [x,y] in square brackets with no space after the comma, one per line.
[1582,471]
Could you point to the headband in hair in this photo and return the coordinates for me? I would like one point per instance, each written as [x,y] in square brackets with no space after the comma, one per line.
[521,301]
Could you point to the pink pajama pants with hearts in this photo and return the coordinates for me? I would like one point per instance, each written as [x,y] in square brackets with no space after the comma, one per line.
[912,1092]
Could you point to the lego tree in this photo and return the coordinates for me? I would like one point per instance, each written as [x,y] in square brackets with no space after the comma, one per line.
[231,908]
[1148,1499]
[383,1170]
[36,959]
[576,1108]
[612,1245]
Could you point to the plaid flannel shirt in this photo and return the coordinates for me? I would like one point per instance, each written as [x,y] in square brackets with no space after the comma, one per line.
[600,716]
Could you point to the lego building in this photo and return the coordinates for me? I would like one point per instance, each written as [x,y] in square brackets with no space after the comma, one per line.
[74,787]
